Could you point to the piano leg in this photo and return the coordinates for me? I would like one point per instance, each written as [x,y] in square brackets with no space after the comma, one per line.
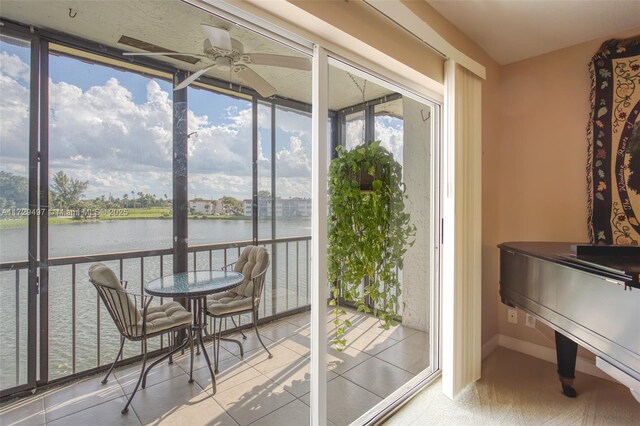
[566,352]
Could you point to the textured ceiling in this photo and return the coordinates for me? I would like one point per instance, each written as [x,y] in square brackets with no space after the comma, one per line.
[176,26]
[513,30]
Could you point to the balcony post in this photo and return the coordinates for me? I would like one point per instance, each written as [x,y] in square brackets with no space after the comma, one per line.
[33,283]
[254,169]
[180,176]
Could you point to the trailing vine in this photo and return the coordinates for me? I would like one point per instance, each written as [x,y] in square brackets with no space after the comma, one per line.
[369,233]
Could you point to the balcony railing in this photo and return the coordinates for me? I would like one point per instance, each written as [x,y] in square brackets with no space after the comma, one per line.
[81,336]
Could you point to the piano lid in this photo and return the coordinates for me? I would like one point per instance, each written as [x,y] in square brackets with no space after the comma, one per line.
[617,262]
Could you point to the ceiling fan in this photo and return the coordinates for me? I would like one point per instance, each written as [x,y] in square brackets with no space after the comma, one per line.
[228,54]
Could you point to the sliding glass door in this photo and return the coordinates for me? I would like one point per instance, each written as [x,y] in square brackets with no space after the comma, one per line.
[20,180]
[381,238]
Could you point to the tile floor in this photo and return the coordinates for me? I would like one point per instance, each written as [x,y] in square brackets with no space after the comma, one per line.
[254,390]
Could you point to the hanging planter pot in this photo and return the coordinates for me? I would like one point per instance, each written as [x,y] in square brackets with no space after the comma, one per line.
[368,165]
[366,181]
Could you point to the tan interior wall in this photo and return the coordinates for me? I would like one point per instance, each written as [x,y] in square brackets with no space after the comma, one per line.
[542,178]
[359,20]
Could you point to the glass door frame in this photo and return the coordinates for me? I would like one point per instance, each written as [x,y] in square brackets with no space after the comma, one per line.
[381,410]
[37,204]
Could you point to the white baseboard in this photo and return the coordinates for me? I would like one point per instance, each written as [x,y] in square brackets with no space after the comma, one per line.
[490,346]
[545,353]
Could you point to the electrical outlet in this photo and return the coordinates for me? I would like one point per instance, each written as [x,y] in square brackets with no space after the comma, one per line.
[512,316]
[531,321]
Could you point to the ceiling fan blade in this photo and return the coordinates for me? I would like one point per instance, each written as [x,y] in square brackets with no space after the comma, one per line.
[195,55]
[193,77]
[219,37]
[258,83]
[280,61]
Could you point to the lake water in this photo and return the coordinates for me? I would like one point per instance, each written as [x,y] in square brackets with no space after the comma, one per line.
[109,236]
[83,238]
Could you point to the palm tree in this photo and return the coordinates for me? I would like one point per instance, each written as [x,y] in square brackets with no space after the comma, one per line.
[66,191]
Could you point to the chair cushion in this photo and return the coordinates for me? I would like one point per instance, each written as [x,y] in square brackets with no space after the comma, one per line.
[163,317]
[252,261]
[123,305]
[227,302]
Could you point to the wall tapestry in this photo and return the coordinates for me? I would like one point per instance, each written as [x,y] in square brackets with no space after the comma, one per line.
[614,144]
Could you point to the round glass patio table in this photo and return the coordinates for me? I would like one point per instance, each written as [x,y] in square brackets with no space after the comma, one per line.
[195,286]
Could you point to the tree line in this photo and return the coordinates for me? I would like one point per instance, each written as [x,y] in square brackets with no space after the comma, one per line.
[68,194]
[14,191]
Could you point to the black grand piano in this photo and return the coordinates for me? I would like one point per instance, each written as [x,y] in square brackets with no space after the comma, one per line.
[588,293]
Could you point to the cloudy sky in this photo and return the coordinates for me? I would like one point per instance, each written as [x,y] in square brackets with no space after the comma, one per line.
[114,130]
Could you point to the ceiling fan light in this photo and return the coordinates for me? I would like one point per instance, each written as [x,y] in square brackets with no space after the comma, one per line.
[224,63]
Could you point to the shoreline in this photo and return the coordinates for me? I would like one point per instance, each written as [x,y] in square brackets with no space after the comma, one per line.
[57,220]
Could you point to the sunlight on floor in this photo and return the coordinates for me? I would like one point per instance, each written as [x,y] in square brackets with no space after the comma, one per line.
[253,390]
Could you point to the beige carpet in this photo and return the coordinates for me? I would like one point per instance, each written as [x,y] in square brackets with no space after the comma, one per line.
[516,389]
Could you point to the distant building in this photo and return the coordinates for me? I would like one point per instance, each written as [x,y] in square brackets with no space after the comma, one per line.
[246,204]
[207,207]
[296,207]
[285,207]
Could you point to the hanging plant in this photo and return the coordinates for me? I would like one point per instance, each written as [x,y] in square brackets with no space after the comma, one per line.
[369,233]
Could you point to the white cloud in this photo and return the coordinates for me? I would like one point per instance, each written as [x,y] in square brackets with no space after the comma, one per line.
[390,135]
[297,123]
[293,161]
[14,116]
[13,67]
[214,185]
[294,187]
[387,130]
[103,136]
[104,123]
[354,133]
